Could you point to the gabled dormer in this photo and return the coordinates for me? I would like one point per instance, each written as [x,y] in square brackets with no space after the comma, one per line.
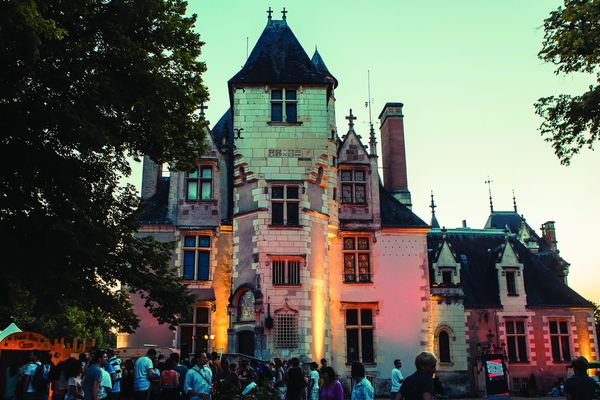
[446,268]
[510,278]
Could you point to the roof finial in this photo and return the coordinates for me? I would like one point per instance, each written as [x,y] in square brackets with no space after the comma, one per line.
[351,119]
[269,12]
[489,183]
[283,12]
[372,140]
[514,201]
[434,221]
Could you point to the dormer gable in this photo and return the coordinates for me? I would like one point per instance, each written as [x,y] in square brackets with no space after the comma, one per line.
[351,150]
[446,268]
[510,277]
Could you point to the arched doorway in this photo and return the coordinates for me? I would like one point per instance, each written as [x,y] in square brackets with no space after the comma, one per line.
[245,342]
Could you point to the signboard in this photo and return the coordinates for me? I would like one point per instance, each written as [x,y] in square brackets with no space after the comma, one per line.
[496,379]
[26,341]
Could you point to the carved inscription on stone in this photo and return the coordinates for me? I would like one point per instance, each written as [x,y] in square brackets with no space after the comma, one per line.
[292,153]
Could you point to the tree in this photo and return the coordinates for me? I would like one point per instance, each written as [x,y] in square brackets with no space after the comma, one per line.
[572,42]
[84,85]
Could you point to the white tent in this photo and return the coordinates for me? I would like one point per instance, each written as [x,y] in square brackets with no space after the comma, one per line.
[12,328]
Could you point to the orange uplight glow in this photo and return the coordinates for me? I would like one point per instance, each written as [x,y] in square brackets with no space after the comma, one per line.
[318,306]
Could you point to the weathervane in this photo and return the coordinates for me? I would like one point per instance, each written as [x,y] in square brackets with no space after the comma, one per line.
[514,200]
[489,183]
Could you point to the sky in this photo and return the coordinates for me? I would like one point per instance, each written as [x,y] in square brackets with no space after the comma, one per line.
[468,75]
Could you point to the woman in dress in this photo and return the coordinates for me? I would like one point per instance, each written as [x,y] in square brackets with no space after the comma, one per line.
[332,388]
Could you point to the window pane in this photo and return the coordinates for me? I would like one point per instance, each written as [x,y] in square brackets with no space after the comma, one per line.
[366,316]
[510,327]
[364,269]
[555,348]
[349,243]
[447,277]
[278,272]
[352,345]
[346,193]
[293,272]
[192,190]
[187,318]
[202,315]
[359,176]
[276,112]
[360,193]
[368,354]
[522,343]
[292,192]
[566,347]
[351,317]
[290,94]
[512,349]
[290,112]
[346,175]
[185,340]
[511,286]
[276,94]
[192,174]
[563,327]
[206,190]
[292,213]
[189,241]
[277,217]
[201,343]
[204,241]
[188,264]
[207,172]
[277,192]
[444,345]
[203,265]
[553,327]
[363,243]
[520,327]
[349,269]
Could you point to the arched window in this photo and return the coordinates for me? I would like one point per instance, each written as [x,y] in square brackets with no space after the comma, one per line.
[246,307]
[444,346]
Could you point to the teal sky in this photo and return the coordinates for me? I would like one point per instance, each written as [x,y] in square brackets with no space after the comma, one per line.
[468,75]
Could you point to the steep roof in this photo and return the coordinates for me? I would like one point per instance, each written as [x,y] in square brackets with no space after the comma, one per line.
[156,207]
[317,60]
[478,252]
[278,57]
[223,127]
[395,214]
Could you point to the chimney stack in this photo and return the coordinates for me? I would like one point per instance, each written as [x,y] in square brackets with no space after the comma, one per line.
[150,176]
[549,235]
[393,151]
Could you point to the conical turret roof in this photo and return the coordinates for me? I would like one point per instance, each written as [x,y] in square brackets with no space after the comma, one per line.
[317,60]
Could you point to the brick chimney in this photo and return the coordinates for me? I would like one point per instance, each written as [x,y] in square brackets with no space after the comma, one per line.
[150,176]
[393,151]
[549,235]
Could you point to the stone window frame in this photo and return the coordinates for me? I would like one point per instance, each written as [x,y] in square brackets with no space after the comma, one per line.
[195,326]
[360,327]
[197,248]
[197,178]
[284,101]
[451,338]
[571,333]
[285,200]
[353,183]
[299,263]
[238,303]
[356,252]
[286,328]
[525,334]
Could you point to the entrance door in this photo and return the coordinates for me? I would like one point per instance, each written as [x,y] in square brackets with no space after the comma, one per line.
[245,340]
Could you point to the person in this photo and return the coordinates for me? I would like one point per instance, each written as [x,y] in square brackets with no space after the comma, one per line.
[180,369]
[198,380]
[313,382]
[58,382]
[580,386]
[296,382]
[279,378]
[73,370]
[245,372]
[397,379]
[116,374]
[92,377]
[169,381]
[143,371]
[127,379]
[323,365]
[229,384]
[419,386]
[106,382]
[362,390]
[11,381]
[332,388]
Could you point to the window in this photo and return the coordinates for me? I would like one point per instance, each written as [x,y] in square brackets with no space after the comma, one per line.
[359,335]
[357,264]
[199,184]
[285,205]
[511,283]
[516,338]
[559,340]
[444,346]
[286,329]
[246,307]
[192,330]
[354,186]
[447,277]
[286,272]
[284,105]
[196,258]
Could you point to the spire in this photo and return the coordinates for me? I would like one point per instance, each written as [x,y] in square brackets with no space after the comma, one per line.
[434,221]
[489,183]
[372,141]
[351,119]
[318,62]
[514,201]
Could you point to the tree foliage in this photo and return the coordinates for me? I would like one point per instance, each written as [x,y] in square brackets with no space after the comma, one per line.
[572,43]
[85,84]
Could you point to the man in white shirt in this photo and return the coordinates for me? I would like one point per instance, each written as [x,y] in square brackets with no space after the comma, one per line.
[198,379]
[397,379]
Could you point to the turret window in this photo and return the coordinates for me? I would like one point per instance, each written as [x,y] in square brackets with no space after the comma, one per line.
[354,186]
[284,105]
[285,205]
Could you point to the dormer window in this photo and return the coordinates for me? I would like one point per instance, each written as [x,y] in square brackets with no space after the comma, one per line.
[284,105]
[354,186]
[199,184]
[511,283]
[447,277]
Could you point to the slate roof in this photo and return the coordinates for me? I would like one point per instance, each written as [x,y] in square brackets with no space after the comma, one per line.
[317,60]
[512,221]
[395,214]
[278,57]
[156,207]
[223,127]
[478,251]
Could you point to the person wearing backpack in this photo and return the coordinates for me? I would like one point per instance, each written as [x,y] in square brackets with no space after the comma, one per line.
[35,377]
